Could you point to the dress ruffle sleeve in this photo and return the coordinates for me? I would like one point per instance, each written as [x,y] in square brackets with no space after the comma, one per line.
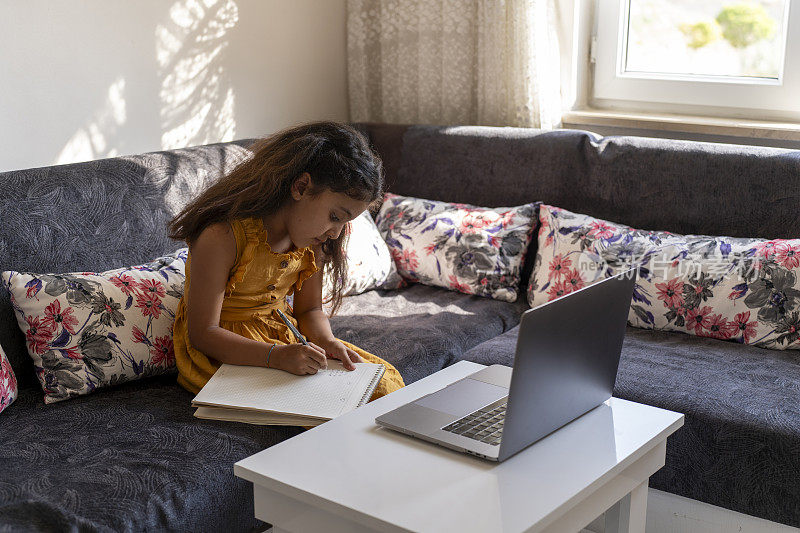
[308,270]
[248,237]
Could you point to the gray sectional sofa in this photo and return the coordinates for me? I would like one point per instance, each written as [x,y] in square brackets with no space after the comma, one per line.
[133,457]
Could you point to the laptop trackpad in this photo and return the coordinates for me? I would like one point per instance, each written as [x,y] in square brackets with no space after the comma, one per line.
[463,397]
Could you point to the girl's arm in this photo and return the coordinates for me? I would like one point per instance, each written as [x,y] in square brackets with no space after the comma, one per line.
[313,321]
[213,255]
[307,306]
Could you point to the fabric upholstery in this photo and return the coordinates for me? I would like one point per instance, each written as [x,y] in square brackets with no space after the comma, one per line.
[127,458]
[660,184]
[739,445]
[387,140]
[422,329]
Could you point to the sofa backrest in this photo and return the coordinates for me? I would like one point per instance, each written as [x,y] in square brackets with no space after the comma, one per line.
[113,212]
[657,184]
[97,216]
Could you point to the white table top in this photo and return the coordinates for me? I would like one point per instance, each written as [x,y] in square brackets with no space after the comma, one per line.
[378,477]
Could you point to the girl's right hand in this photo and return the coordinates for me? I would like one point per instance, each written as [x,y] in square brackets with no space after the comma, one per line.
[298,358]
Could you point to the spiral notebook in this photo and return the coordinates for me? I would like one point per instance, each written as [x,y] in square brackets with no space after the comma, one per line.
[256,395]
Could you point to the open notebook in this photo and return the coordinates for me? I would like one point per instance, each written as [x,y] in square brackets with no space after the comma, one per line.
[258,395]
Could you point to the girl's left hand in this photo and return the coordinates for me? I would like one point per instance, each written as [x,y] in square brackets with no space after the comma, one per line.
[335,349]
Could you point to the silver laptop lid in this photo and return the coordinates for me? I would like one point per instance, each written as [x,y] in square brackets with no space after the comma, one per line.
[566,360]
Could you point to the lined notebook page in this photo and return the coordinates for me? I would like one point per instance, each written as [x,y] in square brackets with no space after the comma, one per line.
[326,394]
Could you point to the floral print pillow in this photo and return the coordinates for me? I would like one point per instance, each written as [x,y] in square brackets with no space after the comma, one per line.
[474,250]
[742,290]
[8,383]
[369,263]
[89,330]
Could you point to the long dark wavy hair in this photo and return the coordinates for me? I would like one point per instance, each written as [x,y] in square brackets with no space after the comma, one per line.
[336,156]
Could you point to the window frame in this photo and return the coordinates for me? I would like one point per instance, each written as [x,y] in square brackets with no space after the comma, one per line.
[710,95]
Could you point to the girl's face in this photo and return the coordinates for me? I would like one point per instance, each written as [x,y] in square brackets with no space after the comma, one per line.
[314,218]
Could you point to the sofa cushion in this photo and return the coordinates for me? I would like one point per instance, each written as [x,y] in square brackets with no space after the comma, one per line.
[127,458]
[738,446]
[422,329]
[8,382]
[369,262]
[88,330]
[474,250]
[743,290]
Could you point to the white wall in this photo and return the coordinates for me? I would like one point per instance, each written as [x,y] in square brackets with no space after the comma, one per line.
[87,79]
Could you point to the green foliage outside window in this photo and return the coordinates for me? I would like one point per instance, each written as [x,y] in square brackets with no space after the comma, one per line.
[744,24]
[740,24]
[701,33]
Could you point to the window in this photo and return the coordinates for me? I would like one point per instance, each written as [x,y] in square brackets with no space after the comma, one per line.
[716,57]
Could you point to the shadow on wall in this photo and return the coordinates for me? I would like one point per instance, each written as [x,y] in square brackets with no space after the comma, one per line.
[96,138]
[195,100]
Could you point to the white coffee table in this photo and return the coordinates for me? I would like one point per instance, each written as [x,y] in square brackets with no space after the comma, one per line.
[348,475]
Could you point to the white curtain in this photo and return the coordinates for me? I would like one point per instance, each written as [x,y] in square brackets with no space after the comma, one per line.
[482,62]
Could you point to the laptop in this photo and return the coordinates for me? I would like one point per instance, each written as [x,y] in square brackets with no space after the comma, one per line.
[565,365]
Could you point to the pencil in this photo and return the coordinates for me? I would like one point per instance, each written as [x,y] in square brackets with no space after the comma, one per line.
[291,327]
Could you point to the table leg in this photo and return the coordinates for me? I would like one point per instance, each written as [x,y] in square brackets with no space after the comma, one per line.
[629,515]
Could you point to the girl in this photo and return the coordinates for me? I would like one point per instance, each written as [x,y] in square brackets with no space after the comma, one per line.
[267,229]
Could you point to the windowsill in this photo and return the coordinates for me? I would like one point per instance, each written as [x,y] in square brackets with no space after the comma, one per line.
[756,129]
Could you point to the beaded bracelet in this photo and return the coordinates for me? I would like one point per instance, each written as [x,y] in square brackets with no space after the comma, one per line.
[269,353]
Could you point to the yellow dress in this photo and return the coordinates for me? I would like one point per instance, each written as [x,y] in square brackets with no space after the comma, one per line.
[257,285]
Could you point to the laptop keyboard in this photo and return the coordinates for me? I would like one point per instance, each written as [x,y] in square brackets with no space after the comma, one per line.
[484,425]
